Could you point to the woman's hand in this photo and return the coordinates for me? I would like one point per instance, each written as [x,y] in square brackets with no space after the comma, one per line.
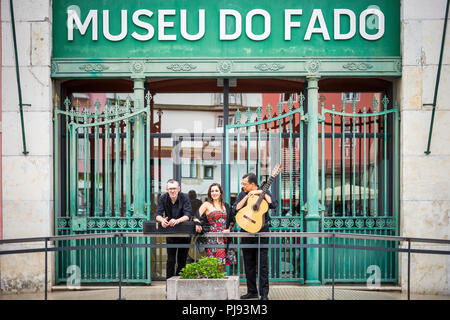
[226,231]
[198,228]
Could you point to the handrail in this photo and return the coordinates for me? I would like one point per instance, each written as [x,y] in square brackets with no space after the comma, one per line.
[228,234]
[122,245]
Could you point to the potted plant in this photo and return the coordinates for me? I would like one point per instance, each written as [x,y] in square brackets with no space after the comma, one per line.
[203,280]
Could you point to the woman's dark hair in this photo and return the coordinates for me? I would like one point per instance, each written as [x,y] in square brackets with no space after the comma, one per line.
[221,199]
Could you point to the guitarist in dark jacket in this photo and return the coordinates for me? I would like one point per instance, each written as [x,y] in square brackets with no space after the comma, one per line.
[250,187]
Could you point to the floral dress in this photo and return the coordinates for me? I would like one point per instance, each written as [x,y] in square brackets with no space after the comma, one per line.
[217,221]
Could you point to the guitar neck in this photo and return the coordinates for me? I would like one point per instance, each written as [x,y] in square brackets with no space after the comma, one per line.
[267,185]
[265,189]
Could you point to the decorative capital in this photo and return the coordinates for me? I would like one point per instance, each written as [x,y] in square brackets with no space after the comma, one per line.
[312,66]
[137,67]
[224,66]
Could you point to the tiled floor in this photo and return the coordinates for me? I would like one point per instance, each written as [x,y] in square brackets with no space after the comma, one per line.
[277,292]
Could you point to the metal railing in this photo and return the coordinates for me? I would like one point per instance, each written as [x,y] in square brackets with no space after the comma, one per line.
[333,246]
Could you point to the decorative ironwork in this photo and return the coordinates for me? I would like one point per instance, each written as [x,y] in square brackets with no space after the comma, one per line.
[349,223]
[357,66]
[103,223]
[263,131]
[94,205]
[177,67]
[338,223]
[360,223]
[94,67]
[264,67]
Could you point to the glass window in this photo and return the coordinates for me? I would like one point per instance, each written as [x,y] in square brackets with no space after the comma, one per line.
[233,98]
[189,168]
[350,96]
[284,97]
[220,121]
[208,172]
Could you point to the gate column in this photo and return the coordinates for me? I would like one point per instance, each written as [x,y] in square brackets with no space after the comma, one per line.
[312,215]
[139,145]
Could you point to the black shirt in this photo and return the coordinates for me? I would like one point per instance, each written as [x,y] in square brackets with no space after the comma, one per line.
[181,207]
[242,194]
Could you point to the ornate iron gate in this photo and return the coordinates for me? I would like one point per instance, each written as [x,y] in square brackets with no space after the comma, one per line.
[358,182]
[102,163]
[359,187]
[256,146]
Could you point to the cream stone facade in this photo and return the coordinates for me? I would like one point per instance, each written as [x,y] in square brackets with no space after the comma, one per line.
[424,179]
[27,181]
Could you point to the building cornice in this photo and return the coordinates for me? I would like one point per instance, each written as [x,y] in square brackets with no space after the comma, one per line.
[226,67]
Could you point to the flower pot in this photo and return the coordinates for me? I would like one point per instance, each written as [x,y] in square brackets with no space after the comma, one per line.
[203,289]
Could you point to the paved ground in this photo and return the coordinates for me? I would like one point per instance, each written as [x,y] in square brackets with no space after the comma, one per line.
[277,292]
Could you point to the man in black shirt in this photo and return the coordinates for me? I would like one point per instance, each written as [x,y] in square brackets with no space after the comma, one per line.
[177,209]
[249,188]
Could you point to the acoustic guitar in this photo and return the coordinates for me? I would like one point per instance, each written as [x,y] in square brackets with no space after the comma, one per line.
[251,217]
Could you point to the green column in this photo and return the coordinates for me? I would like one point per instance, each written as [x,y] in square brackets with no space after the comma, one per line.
[139,148]
[312,215]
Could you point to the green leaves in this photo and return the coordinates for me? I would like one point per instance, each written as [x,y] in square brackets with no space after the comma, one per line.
[206,267]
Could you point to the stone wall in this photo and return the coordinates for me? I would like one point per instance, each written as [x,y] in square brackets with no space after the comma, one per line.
[27,180]
[424,179]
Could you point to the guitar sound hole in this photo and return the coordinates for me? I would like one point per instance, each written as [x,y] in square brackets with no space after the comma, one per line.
[255,207]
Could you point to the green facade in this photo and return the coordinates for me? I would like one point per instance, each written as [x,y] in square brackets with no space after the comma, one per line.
[170,55]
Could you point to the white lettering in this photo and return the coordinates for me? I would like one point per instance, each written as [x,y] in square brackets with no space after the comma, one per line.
[288,24]
[72,17]
[143,25]
[123,29]
[74,281]
[238,19]
[317,15]
[362,24]
[374,280]
[199,310]
[201,26]
[337,24]
[371,19]
[162,25]
[248,24]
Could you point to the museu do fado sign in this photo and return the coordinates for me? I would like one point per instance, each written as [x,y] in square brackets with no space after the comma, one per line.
[231,28]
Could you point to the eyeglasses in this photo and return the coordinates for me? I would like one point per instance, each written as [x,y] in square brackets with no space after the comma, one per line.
[172,189]
[244,184]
